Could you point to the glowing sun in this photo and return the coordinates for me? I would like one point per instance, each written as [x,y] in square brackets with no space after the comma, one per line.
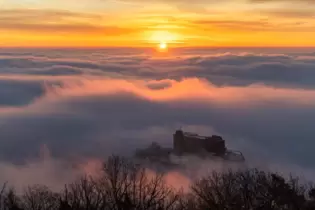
[163,46]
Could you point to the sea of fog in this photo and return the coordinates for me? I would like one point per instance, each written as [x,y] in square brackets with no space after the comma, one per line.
[63,111]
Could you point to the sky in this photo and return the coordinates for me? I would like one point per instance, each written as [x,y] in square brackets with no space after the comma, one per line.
[61,108]
[146,23]
[83,79]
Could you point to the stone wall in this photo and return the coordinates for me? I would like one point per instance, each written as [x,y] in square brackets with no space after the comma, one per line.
[194,144]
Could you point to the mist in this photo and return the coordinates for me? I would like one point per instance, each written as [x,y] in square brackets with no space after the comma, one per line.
[84,105]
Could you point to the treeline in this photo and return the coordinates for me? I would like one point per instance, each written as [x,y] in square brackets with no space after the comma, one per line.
[123,185]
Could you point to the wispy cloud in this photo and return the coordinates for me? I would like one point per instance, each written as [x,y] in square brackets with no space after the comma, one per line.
[56,22]
[209,23]
[285,1]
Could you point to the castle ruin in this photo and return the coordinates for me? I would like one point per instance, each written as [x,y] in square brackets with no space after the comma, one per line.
[191,143]
[186,143]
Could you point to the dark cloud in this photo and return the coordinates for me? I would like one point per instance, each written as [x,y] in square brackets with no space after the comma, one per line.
[278,70]
[19,93]
[156,85]
[272,70]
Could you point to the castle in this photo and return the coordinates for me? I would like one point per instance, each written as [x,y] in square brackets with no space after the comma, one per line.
[191,143]
[186,143]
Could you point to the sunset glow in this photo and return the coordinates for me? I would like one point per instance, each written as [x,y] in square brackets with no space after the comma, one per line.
[101,23]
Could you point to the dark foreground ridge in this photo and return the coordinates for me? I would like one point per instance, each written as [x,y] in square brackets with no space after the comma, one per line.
[190,144]
[123,185]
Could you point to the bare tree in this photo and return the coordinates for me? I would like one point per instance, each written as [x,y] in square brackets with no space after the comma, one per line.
[249,189]
[2,196]
[129,186]
[124,185]
[83,194]
[218,191]
[39,197]
[12,201]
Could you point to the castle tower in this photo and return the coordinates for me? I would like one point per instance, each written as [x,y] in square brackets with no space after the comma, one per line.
[178,142]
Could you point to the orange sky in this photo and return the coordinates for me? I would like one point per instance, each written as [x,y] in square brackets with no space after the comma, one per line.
[100,23]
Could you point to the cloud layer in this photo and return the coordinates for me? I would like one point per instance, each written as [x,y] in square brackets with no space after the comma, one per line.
[88,104]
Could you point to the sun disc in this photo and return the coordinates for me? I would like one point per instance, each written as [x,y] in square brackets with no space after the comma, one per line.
[163,46]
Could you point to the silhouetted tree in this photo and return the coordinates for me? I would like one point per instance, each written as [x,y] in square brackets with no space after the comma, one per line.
[12,201]
[249,189]
[129,186]
[124,185]
[83,194]
[39,197]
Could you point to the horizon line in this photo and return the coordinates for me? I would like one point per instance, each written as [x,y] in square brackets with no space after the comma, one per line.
[147,47]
